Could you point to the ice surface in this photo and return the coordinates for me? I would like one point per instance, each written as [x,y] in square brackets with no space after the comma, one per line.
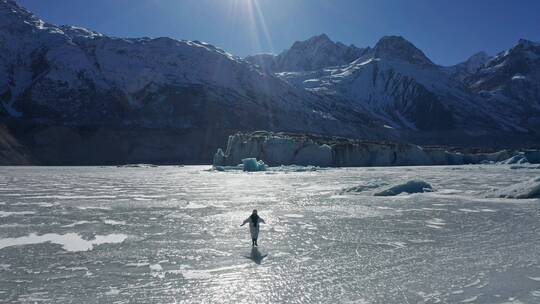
[527,189]
[412,186]
[185,244]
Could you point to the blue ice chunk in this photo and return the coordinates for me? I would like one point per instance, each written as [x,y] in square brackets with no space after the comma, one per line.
[252,165]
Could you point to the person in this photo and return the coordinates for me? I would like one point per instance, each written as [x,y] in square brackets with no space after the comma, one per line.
[254,220]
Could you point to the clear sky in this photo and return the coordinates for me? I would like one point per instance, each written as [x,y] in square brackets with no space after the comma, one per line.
[448,31]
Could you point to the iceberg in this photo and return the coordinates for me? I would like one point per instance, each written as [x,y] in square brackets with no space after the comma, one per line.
[527,189]
[252,165]
[363,187]
[412,186]
[518,159]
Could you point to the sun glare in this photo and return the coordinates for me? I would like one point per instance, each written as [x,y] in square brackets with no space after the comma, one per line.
[251,12]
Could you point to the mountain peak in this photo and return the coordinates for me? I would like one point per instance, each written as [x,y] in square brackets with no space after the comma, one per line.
[474,63]
[321,37]
[392,47]
[312,54]
[313,42]
[477,60]
[525,43]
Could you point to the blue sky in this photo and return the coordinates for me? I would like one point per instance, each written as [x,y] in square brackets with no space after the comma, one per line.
[448,31]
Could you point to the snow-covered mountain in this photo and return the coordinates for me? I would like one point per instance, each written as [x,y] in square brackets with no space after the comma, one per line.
[396,82]
[77,78]
[469,67]
[73,74]
[313,54]
[69,94]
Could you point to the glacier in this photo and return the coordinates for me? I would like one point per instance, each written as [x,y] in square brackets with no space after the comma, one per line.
[278,148]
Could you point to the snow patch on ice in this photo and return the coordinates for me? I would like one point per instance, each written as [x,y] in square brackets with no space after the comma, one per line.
[93,208]
[113,222]
[138,264]
[467,210]
[72,242]
[294,215]
[412,186]
[471,299]
[112,291]
[436,223]
[156,267]
[77,224]
[192,205]
[195,274]
[394,245]
[474,283]
[524,190]
[6,214]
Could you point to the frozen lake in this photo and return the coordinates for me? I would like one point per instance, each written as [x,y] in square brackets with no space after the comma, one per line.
[172,235]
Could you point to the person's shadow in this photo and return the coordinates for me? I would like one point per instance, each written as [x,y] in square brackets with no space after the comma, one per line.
[256,255]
